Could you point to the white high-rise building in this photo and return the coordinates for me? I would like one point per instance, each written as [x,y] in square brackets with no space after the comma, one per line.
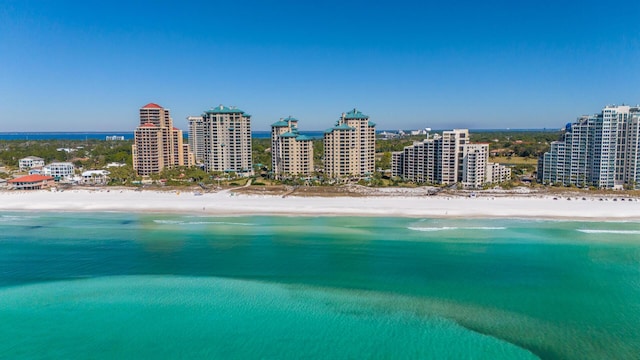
[448,159]
[474,165]
[452,153]
[196,137]
[600,150]
[632,154]
[420,162]
[350,146]
[226,140]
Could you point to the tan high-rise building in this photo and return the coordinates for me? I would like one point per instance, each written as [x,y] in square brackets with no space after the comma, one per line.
[350,146]
[226,140]
[157,144]
[291,152]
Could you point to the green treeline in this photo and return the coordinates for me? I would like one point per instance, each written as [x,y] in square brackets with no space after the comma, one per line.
[519,149]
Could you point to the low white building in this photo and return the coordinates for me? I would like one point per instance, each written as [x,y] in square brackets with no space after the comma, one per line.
[114,164]
[497,173]
[30,162]
[95,177]
[59,170]
[36,170]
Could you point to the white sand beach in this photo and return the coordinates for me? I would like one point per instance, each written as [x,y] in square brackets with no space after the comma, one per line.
[404,204]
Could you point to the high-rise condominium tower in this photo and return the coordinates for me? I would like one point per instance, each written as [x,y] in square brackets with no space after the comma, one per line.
[448,159]
[600,150]
[196,137]
[291,153]
[157,144]
[224,140]
[350,146]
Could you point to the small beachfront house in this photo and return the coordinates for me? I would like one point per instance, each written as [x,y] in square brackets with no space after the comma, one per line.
[30,162]
[59,170]
[95,177]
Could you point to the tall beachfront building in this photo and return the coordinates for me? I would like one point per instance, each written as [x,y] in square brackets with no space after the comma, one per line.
[448,159]
[420,162]
[600,150]
[196,137]
[453,142]
[350,146]
[157,144]
[223,139]
[291,152]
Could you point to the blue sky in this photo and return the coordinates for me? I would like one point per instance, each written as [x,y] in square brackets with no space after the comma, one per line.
[90,65]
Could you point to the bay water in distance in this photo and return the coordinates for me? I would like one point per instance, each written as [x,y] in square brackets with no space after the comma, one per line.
[120,285]
[128,135]
[100,135]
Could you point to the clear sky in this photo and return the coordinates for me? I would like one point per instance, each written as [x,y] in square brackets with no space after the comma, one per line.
[90,65]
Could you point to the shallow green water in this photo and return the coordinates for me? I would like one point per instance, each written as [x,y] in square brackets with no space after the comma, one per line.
[130,285]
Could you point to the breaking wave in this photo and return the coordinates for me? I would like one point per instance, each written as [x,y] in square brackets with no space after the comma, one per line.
[623,232]
[180,222]
[445,228]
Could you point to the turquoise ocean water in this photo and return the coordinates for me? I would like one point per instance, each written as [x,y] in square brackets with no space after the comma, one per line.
[114,285]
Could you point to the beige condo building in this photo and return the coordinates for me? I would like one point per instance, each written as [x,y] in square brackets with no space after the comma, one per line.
[157,144]
[291,152]
[350,146]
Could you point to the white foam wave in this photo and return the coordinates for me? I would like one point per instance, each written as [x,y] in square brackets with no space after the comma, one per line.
[179,222]
[432,228]
[12,218]
[625,232]
[444,228]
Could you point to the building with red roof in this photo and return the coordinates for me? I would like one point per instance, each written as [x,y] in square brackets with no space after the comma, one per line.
[152,106]
[31,182]
[157,143]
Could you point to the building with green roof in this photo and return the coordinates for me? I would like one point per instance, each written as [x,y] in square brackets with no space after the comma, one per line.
[350,146]
[291,152]
[224,132]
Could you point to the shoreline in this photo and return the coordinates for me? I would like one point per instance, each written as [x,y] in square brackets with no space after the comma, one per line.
[228,203]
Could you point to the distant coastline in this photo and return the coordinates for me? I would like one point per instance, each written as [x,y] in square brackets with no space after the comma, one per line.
[61,135]
[128,135]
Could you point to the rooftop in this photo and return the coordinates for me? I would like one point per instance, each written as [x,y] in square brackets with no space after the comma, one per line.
[152,106]
[32,158]
[280,123]
[221,109]
[30,179]
[355,114]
